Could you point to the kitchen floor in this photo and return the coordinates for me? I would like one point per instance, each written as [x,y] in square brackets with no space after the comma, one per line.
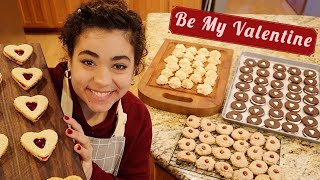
[53,51]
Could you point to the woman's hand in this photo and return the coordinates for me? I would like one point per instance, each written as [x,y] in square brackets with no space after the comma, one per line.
[82,146]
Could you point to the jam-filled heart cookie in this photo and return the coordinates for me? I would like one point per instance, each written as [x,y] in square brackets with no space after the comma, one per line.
[41,144]
[31,107]
[26,78]
[4,142]
[73,177]
[18,54]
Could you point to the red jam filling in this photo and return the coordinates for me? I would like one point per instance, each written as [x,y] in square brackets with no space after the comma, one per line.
[40,143]
[32,106]
[19,52]
[27,76]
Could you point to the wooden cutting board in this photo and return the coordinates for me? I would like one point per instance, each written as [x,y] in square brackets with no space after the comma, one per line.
[183,101]
[17,163]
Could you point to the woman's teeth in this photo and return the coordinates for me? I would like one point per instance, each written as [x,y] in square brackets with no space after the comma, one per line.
[100,94]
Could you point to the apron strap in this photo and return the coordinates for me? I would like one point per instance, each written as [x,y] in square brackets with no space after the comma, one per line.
[121,121]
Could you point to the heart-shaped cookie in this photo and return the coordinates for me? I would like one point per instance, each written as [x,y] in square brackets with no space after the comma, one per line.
[73,177]
[4,142]
[26,78]
[41,144]
[18,54]
[31,107]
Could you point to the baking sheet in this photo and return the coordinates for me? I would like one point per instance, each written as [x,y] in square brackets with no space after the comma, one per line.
[273,60]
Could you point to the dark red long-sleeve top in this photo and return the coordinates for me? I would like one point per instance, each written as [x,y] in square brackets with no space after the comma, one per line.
[138,131]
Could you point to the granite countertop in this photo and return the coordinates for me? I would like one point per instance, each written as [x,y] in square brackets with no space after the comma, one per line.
[299,159]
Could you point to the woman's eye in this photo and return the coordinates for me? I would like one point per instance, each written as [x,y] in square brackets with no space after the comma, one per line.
[120,66]
[88,62]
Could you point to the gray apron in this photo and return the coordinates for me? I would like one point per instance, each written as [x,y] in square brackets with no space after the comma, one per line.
[107,152]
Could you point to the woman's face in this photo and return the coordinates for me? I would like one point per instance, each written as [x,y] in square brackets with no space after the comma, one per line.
[102,68]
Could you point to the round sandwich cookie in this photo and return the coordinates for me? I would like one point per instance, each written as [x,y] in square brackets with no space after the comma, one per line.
[241,96]
[246,78]
[311,89]
[263,63]
[238,106]
[310,121]
[272,124]
[275,93]
[260,90]
[310,81]
[294,88]
[250,62]
[261,81]
[258,100]
[276,113]
[295,79]
[243,86]
[311,110]
[277,84]
[254,120]
[290,127]
[234,115]
[246,69]
[292,106]
[279,75]
[310,73]
[310,100]
[256,110]
[279,67]
[294,71]
[293,117]
[275,103]
[293,97]
[311,132]
[263,73]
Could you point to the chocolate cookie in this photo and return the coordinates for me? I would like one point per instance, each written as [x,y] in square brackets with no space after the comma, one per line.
[261,81]
[246,78]
[294,88]
[243,86]
[295,79]
[272,124]
[311,132]
[292,106]
[238,106]
[311,89]
[234,115]
[293,117]
[293,97]
[256,110]
[311,110]
[277,84]
[290,127]
[246,69]
[241,96]
[310,73]
[294,71]
[279,75]
[255,120]
[310,100]
[279,67]
[275,93]
[263,73]
[276,113]
[275,103]
[263,63]
[260,90]
[310,81]
[250,62]
[310,121]
[258,100]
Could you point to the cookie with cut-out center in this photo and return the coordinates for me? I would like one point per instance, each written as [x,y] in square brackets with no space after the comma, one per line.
[26,78]
[73,177]
[4,142]
[40,144]
[18,54]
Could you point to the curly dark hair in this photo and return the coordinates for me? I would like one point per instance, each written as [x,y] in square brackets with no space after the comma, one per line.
[109,15]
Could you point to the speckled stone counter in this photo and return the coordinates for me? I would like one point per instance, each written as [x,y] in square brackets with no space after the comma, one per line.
[299,159]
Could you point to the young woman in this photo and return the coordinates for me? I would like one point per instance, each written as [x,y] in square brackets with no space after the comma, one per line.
[111,127]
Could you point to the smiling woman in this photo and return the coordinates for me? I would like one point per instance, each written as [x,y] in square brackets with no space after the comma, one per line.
[105,43]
